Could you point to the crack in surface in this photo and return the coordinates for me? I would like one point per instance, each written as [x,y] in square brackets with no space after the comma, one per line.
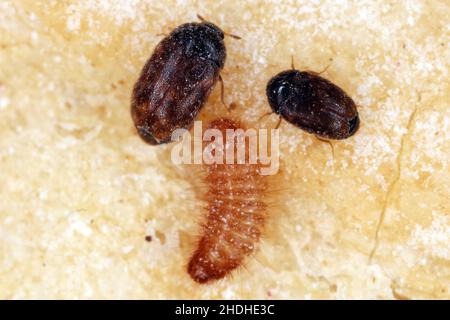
[396,293]
[394,181]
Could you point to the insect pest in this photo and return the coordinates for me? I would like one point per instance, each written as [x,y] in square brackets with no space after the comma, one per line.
[313,103]
[235,213]
[176,81]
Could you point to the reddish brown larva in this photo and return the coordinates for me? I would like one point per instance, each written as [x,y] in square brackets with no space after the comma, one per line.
[235,215]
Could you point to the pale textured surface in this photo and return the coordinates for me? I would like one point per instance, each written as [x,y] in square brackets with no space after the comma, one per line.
[79,190]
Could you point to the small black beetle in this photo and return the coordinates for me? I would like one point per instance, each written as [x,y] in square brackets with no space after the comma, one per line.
[177,80]
[313,104]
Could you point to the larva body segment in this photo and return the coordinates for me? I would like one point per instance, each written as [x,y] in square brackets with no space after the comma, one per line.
[235,215]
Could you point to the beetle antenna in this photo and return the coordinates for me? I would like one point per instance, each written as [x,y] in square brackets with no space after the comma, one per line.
[225,33]
[201,18]
[232,35]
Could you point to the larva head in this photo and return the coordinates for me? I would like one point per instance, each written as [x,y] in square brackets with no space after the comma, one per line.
[223,124]
[203,40]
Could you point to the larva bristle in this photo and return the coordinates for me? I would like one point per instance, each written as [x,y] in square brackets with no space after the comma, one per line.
[235,215]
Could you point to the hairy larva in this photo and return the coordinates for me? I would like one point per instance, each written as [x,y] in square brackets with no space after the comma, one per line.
[313,104]
[236,212]
[177,80]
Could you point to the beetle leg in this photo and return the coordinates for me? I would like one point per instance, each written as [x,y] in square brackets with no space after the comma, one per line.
[319,73]
[268,114]
[222,94]
[328,142]
[279,122]
[265,115]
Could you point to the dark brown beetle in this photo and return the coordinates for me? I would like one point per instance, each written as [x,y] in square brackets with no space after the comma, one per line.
[313,104]
[177,80]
